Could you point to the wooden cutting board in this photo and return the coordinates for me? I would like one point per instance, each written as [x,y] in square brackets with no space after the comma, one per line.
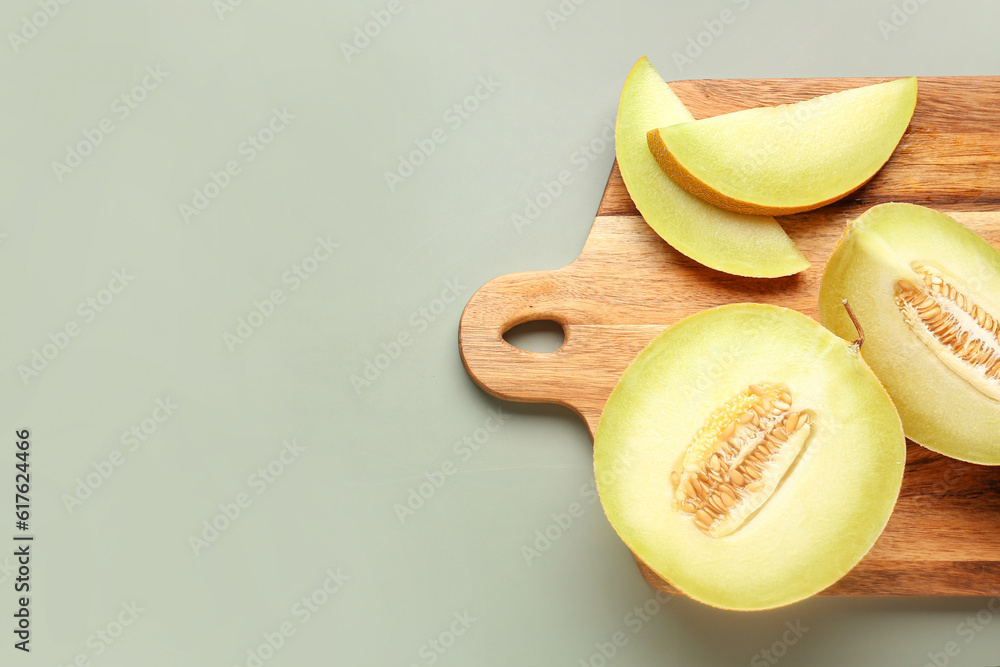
[628,284]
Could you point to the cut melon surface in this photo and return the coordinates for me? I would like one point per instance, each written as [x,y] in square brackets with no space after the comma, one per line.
[926,289]
[805,513]
[790,158]
[740,244]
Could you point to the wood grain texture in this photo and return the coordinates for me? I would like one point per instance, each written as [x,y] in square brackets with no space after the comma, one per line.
[627,285]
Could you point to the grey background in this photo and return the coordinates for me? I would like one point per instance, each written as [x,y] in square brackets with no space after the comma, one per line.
[402,580]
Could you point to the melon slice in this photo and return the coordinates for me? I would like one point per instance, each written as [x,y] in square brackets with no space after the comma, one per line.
[927,292]
[749,456]
[789,158]
[731,242]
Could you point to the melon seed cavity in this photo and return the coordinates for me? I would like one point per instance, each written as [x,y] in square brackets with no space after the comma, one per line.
[738,459]
[959,329]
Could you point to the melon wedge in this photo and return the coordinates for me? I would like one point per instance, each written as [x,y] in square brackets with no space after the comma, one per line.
[926,289]
[806,510]
[731,242]
[790,158]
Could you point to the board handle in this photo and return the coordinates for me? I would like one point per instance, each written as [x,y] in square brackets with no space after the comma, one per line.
[503,370]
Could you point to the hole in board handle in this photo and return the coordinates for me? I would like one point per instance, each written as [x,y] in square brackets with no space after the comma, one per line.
[536,336]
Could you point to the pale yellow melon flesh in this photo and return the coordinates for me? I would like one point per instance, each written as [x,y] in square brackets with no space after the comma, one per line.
[948,402]
[831,502]
[790,158]
[740,244]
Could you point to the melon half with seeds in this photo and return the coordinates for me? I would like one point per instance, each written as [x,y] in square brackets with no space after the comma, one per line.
[749,456]
[926,289]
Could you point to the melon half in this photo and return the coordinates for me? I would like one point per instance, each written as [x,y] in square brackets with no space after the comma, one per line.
[926,289]
[749,456]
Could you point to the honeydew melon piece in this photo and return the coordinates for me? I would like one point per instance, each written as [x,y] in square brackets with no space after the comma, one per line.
[789,158]
[731,242]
